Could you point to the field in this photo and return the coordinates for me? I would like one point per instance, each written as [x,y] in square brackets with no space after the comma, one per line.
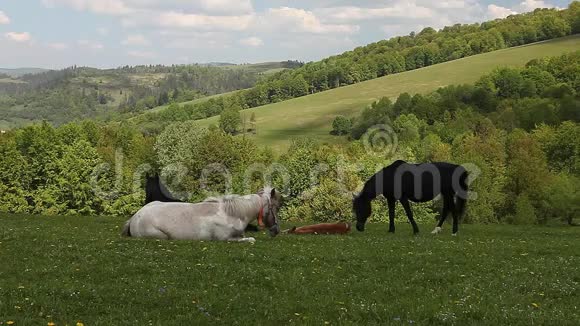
[69,269]
[312,115]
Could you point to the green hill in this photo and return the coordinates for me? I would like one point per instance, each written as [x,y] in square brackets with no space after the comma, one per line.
[312,115]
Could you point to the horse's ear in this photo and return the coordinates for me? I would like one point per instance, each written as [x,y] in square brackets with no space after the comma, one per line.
[273,193]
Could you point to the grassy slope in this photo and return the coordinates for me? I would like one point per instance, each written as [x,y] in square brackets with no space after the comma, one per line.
[65,269]
[312,115]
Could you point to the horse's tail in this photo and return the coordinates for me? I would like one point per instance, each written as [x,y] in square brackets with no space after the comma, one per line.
[126,229]
[462,194]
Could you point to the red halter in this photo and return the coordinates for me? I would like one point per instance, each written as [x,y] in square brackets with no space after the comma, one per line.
[261,217]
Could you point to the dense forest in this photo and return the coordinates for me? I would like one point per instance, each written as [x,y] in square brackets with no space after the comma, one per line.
[391,56]
[517,130]
[114,94]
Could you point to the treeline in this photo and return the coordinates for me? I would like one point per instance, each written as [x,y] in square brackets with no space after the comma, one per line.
[396,55]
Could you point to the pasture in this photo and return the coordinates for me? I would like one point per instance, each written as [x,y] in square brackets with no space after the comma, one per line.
[313,115]
[70,269]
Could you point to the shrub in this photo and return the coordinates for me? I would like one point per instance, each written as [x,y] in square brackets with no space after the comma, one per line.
[341,126]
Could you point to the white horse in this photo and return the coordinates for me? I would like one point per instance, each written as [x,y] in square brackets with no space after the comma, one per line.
[217,218]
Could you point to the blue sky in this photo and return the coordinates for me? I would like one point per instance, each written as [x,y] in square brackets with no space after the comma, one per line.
[111,33]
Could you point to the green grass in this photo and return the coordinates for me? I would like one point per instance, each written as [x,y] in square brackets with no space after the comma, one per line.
[66,269]
[312,115]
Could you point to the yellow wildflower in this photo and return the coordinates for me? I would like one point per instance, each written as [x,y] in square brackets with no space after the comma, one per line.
[10,322]
[535,305]
[80,324]
[51,323]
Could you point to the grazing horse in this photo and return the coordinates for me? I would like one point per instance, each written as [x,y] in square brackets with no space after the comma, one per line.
[156,191]
[406,182]
[217,218]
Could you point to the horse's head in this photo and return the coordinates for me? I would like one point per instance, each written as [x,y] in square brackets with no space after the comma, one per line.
[361,208]
[273,199]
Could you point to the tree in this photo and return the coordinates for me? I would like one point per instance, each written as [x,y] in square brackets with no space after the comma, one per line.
[375,114]
[527,167]
[253,123]
[341,125]
[563,197]
[509,82]
[525,213]
[230,120]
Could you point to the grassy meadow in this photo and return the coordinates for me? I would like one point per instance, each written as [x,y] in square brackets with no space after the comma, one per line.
[70,269]
[313,115]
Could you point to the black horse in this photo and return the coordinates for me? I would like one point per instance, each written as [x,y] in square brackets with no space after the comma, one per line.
[418,183]
[156,191]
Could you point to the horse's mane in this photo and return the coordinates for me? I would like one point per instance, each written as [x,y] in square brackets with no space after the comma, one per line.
[234,204]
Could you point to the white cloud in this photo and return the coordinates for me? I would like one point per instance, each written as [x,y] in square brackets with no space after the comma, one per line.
[125,7]
[450,4]
[90,45]
[58,46]
[141,54]
[108,7]
[530,5]
[191,21]
[219,7]
[300,20]
[4,19]
[103,31]
[401,9]
[227,6]
[495,11]
[136,39]
[252,41]
[18,37]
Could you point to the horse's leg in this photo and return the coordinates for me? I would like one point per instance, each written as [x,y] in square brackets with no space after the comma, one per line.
[455,220]
[391,202]
[447,206]
[250,240]
[157,233]
[409,213]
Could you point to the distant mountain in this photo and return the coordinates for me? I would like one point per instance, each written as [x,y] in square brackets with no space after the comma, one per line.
[217,64]
[18,72]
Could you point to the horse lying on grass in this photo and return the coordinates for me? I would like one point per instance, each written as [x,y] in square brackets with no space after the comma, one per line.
[322,228]
[406,182]
[156,191]
[220,218]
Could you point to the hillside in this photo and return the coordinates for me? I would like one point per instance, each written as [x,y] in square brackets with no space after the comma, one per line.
[312,115]
[89,93]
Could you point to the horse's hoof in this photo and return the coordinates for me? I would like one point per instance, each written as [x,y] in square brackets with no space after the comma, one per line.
[454,234]
[437,230]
